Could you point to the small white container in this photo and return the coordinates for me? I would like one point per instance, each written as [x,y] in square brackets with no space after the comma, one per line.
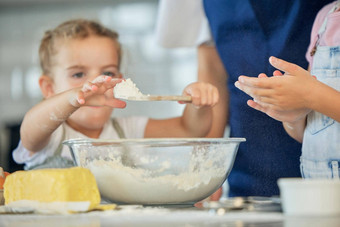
[310,197]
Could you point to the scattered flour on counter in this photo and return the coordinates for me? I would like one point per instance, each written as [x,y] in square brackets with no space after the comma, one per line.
[125,184]
[126,89]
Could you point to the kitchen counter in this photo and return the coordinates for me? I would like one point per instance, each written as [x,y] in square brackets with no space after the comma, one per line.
[153,216]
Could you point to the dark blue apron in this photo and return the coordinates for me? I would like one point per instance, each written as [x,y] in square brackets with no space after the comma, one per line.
[246,34]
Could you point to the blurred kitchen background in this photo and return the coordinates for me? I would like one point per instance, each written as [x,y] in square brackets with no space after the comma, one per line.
[155,70]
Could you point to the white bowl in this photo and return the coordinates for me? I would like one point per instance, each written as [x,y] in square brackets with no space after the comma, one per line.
[157,171]
[310,197]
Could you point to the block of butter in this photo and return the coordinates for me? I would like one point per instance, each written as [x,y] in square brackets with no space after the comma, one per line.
[52,185]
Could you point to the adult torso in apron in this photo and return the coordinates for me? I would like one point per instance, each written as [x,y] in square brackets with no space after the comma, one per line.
[321,143]
[246,34]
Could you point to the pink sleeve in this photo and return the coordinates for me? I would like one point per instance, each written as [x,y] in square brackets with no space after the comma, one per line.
[316,26]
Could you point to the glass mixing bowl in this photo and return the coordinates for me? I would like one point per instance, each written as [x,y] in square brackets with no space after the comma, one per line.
[156,171]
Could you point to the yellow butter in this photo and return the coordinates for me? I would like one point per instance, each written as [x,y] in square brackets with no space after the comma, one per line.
[52,185]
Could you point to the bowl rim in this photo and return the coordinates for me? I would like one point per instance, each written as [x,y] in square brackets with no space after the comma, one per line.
[154,140]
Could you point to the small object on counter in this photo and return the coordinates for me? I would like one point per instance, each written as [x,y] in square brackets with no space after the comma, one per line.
[3,176]
[252,203]
[46,186]
[310,197]
[2,198]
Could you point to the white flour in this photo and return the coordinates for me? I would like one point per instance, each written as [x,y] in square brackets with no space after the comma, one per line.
[159,185]
[126,89]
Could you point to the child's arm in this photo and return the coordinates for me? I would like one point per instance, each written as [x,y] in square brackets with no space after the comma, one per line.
[289,98]
[211,70]
[41,121]
[196,119]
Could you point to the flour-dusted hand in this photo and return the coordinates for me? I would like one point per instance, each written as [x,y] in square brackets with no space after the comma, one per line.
[286,92]
[203,94]
[99,92]
[283,97]
[291,96]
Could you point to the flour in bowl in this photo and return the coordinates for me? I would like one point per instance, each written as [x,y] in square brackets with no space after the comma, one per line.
[126,89]
[125,184]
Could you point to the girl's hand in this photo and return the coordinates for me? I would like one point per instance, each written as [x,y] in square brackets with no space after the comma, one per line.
[99,92]
[203,94]
[289,116]
[283,97]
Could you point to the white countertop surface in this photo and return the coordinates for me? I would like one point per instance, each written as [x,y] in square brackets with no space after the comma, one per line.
[150,216]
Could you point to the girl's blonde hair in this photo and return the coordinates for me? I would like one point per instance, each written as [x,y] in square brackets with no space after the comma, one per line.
[72,29]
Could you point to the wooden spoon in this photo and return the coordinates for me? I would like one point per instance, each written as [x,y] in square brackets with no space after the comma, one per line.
[158,98]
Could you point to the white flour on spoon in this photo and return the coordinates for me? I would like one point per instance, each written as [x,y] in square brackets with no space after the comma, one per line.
[126,89]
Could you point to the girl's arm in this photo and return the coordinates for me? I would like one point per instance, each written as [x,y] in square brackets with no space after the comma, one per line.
[196,119]
[41,121]
[44,118]
[207,121]
[211,70]
[296,129]
[325,100]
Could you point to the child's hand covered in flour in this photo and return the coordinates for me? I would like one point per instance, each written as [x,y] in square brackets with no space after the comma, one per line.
[99,92]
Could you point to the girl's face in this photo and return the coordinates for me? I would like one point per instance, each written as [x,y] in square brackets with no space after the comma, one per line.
[78,61]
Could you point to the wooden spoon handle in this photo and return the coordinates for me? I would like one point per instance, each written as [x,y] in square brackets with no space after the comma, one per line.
[169,98]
